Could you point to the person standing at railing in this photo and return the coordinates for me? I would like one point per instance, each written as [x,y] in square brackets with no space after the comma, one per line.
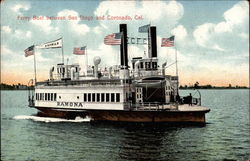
[190,99]
[177,98]
[171,97]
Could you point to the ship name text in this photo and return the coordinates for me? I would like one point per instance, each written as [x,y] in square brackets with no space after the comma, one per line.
[71,104]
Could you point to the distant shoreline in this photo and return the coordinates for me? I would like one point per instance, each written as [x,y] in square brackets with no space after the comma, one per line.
[195,86]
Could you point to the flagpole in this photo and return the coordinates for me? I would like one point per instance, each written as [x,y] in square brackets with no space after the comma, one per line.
[62,52]
[176,67]
[86,61]
[35,63]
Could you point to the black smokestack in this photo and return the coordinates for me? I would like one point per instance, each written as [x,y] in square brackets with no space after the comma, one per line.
[153,42]
[124,46]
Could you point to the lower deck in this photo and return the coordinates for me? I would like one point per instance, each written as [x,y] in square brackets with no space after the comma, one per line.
[183,113]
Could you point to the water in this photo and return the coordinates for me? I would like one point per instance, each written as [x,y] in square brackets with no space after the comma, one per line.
[25,136]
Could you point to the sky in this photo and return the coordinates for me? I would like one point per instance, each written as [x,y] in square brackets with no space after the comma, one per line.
[211,37]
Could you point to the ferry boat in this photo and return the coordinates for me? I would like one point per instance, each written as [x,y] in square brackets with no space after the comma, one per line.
[140,93]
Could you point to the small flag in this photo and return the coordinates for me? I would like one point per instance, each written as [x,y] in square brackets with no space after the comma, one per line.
[144,28]
[52,44]
[79,51]
[167,42]
[113,39]
[29,51]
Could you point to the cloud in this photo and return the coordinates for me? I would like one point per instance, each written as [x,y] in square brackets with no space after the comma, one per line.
[160,9]
[235,16]
[154,12]
[202,33]
[180,32]
[49,26]
[238,14]
[115,8]
[243,35]
[5,50]
[11,58]
[211,35]
[44,25]
[223,27]
[22,34]
[19,34]
[217,47]
[97,29]
[6,29]
[18,8]
[74,25]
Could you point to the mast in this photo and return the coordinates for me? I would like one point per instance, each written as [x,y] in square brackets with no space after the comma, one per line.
[176,67]
[34,63]
[62,52]
[86,56]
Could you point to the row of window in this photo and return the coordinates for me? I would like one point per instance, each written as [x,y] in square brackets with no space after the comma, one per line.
[101,97]
[87,97]
[46,96]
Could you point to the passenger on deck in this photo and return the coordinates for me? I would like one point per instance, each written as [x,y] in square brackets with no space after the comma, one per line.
[178,98]
[190,98]
[171,97]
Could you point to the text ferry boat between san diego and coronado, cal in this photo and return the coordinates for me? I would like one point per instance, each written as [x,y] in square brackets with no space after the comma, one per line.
[140,93]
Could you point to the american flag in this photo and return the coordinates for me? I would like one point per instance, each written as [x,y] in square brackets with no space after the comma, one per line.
[113,39]
[79,51]
[29,51]
[167,42]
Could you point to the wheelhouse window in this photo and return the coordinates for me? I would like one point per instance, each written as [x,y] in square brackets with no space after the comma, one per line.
[46,96]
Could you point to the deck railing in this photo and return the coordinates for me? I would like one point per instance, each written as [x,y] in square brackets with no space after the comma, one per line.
[154,106]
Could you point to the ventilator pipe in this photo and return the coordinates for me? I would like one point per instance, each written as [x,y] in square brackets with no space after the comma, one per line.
[51,73]
[72,73]
[163,68]
[110,75]
[97,61]
[137,63]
